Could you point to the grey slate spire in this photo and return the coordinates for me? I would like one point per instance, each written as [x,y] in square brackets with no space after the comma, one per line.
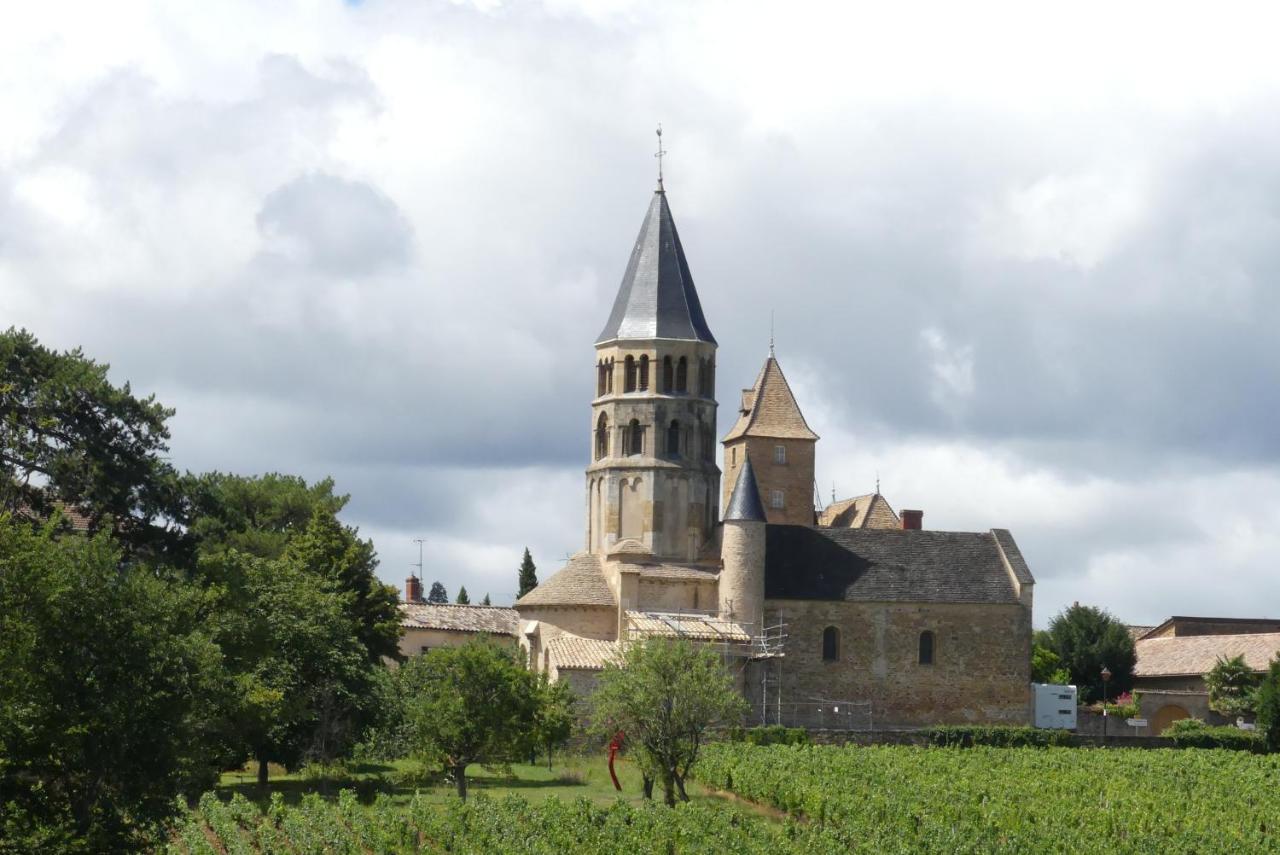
[656,298]
[745,504]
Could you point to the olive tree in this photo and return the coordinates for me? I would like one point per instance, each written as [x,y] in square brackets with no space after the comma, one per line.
[470,703]
[666,695]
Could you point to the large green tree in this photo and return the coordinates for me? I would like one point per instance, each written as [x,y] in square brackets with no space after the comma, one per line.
[68,436]
[258,514]
[470,703]
[666,695]
[303,677]
[282,517]
[1085,639]
[109,689]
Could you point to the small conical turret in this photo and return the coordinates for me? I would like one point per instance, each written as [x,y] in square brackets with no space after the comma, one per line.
[745,505]
[742,552]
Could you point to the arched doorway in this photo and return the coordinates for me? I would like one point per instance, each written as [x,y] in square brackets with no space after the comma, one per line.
[1166,716]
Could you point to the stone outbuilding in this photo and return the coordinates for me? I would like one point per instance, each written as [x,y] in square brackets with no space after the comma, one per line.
[1174,657]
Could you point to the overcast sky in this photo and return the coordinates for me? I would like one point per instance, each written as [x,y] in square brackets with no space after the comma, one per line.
[1024,258]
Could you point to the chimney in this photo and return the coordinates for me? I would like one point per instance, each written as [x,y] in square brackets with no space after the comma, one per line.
[413,590]
[912,520]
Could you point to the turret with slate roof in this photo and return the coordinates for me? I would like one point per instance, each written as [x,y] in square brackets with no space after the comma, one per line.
[742,549]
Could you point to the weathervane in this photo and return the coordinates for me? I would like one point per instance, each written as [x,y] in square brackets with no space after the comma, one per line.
[771,333]
[659,155]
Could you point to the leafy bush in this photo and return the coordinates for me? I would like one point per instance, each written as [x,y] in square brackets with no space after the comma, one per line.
[1194,733]
[1268,705]
[999,736]
[772,734]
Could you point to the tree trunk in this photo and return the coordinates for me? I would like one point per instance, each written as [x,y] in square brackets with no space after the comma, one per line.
[648,787]
[668,790]
[262,773]
[684,797]
[460,779]
[548,758]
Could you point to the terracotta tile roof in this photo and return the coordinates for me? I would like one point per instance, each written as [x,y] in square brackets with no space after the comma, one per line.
[578,583]
[869,511]
[569,652]
[491,619]
[879,565]
[769,409]
[1170,656]
[75,519]
[1136,631]
[693,626]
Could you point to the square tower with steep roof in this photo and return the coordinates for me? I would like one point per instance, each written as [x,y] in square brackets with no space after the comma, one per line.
[772,432]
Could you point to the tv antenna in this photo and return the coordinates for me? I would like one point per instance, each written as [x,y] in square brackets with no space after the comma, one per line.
[418,541]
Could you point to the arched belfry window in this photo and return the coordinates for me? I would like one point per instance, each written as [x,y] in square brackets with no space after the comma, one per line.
[608,377]
[673,439]
[926,648]
[602,437]
[635,438]
[602,371]
[629,382]
[667,381]
[644,372]
[682,375]
[830,644]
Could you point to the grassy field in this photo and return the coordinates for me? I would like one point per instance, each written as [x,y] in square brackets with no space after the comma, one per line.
[569,778]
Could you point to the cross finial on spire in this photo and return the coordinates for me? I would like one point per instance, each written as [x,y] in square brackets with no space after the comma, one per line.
[661,152]
[771,333]
[877,483]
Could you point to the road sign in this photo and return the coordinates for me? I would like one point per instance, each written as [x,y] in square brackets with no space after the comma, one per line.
[1136,722]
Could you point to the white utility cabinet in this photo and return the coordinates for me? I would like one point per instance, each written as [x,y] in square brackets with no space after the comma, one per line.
[1055,705]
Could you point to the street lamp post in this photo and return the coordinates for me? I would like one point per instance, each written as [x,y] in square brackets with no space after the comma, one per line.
[1106,678]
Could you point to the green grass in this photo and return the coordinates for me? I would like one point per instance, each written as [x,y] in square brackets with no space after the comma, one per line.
[569,778]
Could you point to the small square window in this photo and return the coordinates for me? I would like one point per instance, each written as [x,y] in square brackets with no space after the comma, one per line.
[779,454]
[775,499]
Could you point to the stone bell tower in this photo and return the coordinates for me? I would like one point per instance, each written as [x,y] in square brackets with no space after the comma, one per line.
[653,478]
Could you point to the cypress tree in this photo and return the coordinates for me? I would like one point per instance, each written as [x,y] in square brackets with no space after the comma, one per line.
[485,601]
[463,599]
[528,574]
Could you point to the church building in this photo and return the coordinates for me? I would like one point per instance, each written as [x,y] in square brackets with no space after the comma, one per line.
[852,615]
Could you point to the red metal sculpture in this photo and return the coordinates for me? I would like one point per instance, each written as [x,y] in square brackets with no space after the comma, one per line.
[615,745]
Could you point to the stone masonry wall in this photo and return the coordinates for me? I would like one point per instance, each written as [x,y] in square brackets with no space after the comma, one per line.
[980,674]
[794,477]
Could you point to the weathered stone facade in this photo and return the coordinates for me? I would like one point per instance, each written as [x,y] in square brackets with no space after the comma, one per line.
[980,669]
[785,478]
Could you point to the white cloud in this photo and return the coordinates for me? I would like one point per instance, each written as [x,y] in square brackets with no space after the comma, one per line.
[1023,261]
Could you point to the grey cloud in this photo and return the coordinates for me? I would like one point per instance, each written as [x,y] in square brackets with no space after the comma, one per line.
[334,226]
